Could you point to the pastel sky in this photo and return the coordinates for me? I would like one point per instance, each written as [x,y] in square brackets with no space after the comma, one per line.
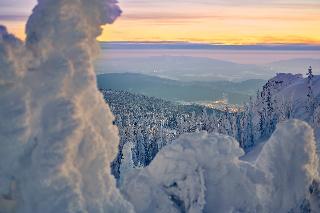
[210,21]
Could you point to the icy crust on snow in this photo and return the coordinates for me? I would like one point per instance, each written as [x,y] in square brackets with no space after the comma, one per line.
[203,173]
[56,133]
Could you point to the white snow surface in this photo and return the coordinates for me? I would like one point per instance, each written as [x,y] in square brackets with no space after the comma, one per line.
[126,162]
[296,92]
[292,92]
[56,133]
[57,138]
[203,173]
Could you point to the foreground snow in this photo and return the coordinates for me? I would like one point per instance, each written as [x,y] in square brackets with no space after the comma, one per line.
[203,172]
[56,133]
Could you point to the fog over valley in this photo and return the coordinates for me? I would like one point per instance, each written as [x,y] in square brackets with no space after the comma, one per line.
[200,62]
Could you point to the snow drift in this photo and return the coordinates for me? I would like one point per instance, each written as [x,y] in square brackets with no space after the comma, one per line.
[56,132]
[202,173]
[286,96]
[294,89]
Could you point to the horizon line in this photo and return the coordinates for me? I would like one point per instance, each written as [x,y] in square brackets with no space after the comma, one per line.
[211,43]
[208,46]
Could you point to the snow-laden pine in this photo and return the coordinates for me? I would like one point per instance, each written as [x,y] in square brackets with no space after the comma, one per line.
[151,123]
[203,172]
[56,134]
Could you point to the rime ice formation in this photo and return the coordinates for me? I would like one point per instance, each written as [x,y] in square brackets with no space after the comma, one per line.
[57,139]
[202,172]
[56,132]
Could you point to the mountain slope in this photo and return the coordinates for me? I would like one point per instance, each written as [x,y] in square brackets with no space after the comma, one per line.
[236,92]
[283,97]
[184,68]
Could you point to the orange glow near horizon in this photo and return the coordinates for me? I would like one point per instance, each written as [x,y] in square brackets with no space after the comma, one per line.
[16,28]
[222,24]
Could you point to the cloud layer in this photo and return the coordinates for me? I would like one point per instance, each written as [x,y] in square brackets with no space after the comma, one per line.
[212,21]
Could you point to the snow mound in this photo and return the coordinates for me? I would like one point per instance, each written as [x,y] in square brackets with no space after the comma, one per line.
[296,93]
[56,133]
[290,163]
[202,172]
[286,96]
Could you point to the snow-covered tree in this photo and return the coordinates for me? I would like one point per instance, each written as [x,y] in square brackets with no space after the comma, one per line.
[311,104]
[126,162]
[160,135]
[140,149]
[310,74]
[246,126]
[285,108]
[219,180]
[316,117]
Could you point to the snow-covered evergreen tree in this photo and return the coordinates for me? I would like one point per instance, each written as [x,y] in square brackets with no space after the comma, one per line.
[311,104]
[310,74]
[152,123]
[126,162]
[140,148]
[316,118]
[285,108]
[245,126]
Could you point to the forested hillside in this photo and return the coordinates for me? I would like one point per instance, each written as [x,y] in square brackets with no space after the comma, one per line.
[148,124]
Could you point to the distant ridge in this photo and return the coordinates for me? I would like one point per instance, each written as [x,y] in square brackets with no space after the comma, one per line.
[187,45]
[235,92]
